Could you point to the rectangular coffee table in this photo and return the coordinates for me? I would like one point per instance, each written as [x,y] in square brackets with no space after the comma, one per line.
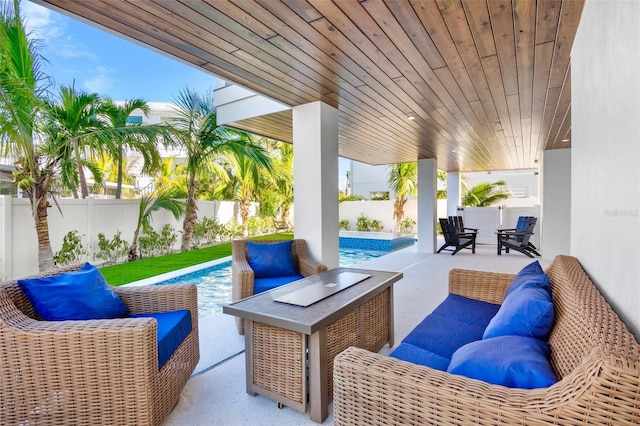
[289,349]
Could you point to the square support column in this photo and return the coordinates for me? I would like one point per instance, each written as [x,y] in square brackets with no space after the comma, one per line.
[453,193]
[315,176]
[556,203]
[427,205]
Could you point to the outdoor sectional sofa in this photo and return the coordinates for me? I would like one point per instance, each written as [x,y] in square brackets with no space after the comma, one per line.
[596,360]
[124,371]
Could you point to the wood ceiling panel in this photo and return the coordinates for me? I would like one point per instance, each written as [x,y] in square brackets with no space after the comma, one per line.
[486,80]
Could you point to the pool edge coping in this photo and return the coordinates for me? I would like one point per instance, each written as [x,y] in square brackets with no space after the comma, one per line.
[168,275]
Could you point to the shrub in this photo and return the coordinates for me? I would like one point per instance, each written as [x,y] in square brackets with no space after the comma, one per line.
[375,225]
[111,250]
[406,225]
[154,244]
[258,225]
[231,230]
[206,232]
[344,224]
[72,250]
[362,223]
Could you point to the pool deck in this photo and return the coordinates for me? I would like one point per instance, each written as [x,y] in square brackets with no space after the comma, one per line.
[215,394]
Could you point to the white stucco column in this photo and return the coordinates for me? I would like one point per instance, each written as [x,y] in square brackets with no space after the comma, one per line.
[427,205]
[453,193]
[556,203]
[315,176]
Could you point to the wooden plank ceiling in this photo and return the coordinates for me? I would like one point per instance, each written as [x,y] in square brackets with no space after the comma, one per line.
[486,82]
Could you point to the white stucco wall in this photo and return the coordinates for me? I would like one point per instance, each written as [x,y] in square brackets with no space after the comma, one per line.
[366,178]
[605,163]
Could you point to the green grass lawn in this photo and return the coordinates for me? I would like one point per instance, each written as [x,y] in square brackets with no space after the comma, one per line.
[128,272]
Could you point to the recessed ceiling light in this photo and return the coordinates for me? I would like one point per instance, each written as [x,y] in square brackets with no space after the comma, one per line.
[566,140]
[411,117]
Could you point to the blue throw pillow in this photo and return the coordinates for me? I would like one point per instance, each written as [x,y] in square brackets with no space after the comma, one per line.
[271,260]
[526,312]
[78,295]
[511,361]
[529,272]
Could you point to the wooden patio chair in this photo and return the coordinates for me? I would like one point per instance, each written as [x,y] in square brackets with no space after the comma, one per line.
[525,225]
[455,239]
[281,225]
[458,222]
[519,240]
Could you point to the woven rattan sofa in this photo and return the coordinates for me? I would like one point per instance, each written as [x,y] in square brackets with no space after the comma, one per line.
[94,372]
[242,275]
[595,357]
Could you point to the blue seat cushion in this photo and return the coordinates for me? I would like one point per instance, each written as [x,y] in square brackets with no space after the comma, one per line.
[464,309]
[79,295]
[271,259]
[511,361]
[264,284]
[408,352]
[454,323]
[173,328]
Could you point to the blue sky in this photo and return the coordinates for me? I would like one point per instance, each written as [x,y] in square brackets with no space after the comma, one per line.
[106,64]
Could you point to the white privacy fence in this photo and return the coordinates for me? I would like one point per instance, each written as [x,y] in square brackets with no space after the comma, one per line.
[89,217]
[382,211]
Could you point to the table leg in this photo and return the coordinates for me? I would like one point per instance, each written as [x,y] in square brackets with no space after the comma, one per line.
[318,380]
[248,355]
[499,244]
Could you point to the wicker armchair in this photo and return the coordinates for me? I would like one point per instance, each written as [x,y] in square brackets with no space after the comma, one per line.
[99,372]
[242,275]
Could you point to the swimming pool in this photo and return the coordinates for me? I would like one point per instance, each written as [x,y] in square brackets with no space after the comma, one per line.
[214,283]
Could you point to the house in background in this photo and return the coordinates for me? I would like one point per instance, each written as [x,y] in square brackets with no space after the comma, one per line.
[371,181]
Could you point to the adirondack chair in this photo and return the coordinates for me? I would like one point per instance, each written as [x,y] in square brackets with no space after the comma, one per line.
[519,240]
[455,239]
[458,222]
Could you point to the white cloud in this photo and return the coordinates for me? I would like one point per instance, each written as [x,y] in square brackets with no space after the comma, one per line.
[101,82]
[40,23]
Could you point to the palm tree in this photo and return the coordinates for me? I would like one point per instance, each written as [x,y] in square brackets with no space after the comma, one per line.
[74,121]
[485,194]
[109,170]
[171,178]
[22,87]
[147,206]
[248,178]
[275,194]
[442,177]
[141,137]
[403,180]
[197,130]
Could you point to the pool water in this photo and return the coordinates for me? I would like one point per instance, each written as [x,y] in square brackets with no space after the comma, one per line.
[214,283]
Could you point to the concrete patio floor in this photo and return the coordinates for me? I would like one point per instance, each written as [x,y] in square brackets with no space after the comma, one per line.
[215,394]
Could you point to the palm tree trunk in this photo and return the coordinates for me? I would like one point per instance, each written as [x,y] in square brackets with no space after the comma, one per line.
[191,214]
[83,180]
[398,211]
[39,205]
[119,179]
[133,250]
[284,216]
[244,215]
